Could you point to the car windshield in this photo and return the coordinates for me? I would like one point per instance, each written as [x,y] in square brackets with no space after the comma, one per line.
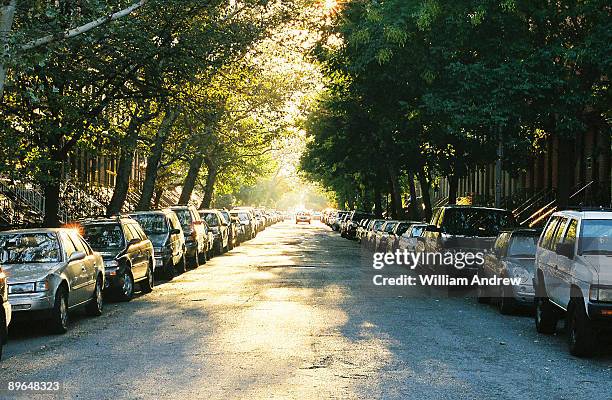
[104,237]
[476,221]
[184,217]
[389,227]
[152,224]
[522,246]
[377,225]
[210,218]
[596,236]
[226,216]
[25,248]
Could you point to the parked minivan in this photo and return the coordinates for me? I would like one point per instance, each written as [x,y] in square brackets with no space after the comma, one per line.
[574,277]
[165,232]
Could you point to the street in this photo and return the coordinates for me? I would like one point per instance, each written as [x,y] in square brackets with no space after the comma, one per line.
[288,315]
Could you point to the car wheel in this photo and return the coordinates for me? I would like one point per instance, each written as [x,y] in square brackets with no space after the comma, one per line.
[126,290]
[545,316]
[203,258]
[482,294]
[181,267]
[147,284]
[581,335]
[505,302]
[195,262]
[59,313]
[169,270]
[95,305]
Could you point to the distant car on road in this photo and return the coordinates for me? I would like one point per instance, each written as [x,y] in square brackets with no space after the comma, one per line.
[127,252]
[395,235]
[164,230]
[233,229]
[409,239]
[5,311]
[50,272]
[247,221]
[303,217]
[574,277]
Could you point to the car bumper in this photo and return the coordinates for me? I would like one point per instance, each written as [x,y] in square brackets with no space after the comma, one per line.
[524,294]
[21,303]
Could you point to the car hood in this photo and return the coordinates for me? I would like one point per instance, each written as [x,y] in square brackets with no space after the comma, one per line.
[603,265]
[31,272]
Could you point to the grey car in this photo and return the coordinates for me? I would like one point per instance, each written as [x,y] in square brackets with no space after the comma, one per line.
[5,311]
[512,256]
[50,272]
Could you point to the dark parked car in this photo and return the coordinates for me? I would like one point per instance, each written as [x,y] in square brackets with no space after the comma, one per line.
[219,228]
[247,221]
[464,229]
[232,229]
[127,252]
[349,228]
[395,235]
[5,311]
[512,256]
[195,232]
[164,230]
[51,272]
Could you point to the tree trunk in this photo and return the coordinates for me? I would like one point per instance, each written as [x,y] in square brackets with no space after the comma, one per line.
[158,195]
[154,160]
[425,186]
[453,187]
[124,169]
[7,15]
[51,191]
[195,165]
[211,178]
[414,206]
[396,194]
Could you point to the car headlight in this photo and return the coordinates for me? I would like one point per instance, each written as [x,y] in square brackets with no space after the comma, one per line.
[520,272]
[601,293]
[22,288]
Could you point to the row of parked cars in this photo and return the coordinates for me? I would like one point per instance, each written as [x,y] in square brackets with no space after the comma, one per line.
[561,271]
[45,273]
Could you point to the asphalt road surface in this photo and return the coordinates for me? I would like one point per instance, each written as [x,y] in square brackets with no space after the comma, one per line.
[290,315]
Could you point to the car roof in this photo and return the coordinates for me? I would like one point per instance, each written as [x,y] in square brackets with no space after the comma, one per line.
[591,214]
[122,219]
[156,212]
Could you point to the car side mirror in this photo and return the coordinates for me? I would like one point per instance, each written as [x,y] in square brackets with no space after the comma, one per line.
[565,250]
[134,241]
[175,231]
[77,256]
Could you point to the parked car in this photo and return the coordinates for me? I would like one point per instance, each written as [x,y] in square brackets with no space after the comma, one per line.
[197,240]
[395,235]
[51,272]
[127,253]
[164,230]
[361,229]
[5,311]
[219,228]
[337,221]
[408,240]
[233,228]
[349,230]
[574,277]
[247,221]
[382,236]
[512,256]
[369,239]
[303,217]
[471,229]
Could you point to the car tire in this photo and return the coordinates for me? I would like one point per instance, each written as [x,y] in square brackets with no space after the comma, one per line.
[169,270]
[546,316]
[580,332]
[505,303]
[96,304]
[59,320]
[195,262]
[147,284]
[181,267]
[203,259]
[126,290]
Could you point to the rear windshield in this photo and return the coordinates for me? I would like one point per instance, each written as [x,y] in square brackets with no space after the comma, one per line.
[152,224]
[226,216]
[210,218]
[184,217]
[596,237]
[476,221]
[29,248]
[523,246]
[104,237]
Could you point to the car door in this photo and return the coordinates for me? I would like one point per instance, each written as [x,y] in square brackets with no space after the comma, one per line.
[175,239]
[89,262]
[140,255]
[564,264]
[75,272]
[555,282]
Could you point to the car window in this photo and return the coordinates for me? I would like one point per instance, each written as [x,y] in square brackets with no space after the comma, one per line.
[21,248]
[78,245]
[476,221]
[522,246]
[377,225]
[389,227]
[185,218]
[401,228]
[226,216]
[104,237]
[596,237]
[417,231]
[549,233]
[152,224]
[211,219]
[570,235]
[558,233]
